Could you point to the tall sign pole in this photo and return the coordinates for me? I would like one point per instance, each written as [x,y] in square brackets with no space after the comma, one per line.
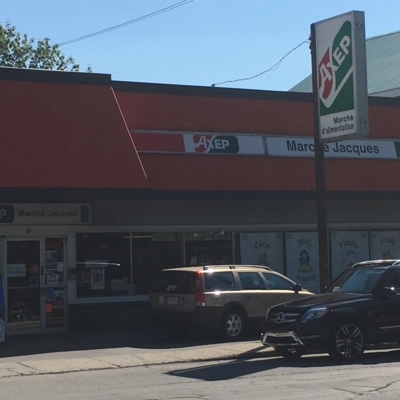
[340,90]
[323,248]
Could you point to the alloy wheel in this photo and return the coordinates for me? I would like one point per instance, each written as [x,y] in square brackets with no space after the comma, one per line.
[234,325]
[349,341]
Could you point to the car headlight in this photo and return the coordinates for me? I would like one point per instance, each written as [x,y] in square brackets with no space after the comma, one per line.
[314,313]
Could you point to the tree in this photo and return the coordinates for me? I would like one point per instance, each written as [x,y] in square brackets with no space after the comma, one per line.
[19,51]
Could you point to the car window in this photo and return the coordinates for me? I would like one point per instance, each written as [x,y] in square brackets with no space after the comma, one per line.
[219,281]
[276,282]
[251,281]
[356,281]
[359,282]
[175,282]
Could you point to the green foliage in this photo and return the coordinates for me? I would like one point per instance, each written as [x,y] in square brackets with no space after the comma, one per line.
[19,51]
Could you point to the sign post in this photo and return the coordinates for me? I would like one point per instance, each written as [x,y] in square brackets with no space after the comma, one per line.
[339,75]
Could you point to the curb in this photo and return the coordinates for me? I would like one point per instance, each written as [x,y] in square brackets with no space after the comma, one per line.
[33,367]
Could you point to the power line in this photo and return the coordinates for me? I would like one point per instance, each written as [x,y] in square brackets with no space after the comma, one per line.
[133,21]
[273,68]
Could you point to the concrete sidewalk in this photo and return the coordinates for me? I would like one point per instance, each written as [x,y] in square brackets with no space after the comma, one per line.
[144,348]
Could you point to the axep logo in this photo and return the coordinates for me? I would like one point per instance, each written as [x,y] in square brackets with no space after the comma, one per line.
[335,68]
[6,214]
[216,144]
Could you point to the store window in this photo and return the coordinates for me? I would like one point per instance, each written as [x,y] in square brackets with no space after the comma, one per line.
[120,264]
[259,248]
[208,248]
[103,264]
[348,248]
[152,253]
[385,245]
[302,259]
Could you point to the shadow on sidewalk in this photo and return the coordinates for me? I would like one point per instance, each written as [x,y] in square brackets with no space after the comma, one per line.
[239,368]
[150,338]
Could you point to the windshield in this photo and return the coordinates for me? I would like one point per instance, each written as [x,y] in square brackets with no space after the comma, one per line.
[356,281]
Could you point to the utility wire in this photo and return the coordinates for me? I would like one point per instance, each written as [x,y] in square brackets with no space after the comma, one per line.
[133,21]
[273,68]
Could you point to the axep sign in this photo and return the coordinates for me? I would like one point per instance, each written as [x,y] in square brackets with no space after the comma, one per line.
[341,76]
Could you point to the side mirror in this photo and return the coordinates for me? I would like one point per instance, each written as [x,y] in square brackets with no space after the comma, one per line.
[297,288]
[388,292]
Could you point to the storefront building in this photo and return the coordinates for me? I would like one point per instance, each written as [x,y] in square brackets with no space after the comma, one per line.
[105,183]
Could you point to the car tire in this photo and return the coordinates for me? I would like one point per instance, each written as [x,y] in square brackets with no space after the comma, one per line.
[232,325]
[347,341]
[177,332]
[290,353]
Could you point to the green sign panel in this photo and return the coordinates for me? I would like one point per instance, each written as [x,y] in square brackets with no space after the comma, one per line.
[341,77]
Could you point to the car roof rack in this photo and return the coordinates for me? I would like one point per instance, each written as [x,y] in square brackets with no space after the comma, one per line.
[234,266]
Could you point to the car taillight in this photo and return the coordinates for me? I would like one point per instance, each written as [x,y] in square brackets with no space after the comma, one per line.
[199,297]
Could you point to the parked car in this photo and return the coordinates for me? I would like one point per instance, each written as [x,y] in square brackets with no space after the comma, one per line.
[360,307]
[223,297]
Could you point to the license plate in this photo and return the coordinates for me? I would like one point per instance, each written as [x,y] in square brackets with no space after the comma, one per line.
[172,300]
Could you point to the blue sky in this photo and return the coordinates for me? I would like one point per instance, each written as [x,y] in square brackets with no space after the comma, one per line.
[200,43]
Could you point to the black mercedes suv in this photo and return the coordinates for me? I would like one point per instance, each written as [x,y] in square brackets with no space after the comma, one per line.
[361,306]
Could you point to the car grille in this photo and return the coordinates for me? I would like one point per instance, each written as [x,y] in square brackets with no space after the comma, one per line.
[283,317]
[281,339]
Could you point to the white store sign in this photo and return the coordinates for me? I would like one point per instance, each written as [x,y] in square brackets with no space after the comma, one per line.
[304,147]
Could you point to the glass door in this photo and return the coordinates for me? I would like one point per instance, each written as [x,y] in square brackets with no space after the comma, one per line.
[23,271]
[36,285]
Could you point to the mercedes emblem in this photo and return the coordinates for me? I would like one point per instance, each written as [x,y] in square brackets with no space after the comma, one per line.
[280,318]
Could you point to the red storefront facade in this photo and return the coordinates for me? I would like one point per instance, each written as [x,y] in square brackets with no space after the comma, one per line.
[104,183]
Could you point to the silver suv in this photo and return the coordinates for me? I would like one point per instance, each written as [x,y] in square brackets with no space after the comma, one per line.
[227,298]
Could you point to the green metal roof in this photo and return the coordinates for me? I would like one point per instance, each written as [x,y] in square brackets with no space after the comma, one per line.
[383,65]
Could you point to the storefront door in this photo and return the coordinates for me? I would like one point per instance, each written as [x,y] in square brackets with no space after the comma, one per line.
[35,284]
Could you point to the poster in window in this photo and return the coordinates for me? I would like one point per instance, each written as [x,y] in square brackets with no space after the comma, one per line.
[33,281]
[385,245]
[16,270]
[97,281]
[348,248]
[59,298]
[49,292]
[262,248]
[52,279]
[51,260]
[302,259]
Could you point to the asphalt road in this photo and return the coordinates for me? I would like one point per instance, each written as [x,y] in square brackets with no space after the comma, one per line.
[375,377]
